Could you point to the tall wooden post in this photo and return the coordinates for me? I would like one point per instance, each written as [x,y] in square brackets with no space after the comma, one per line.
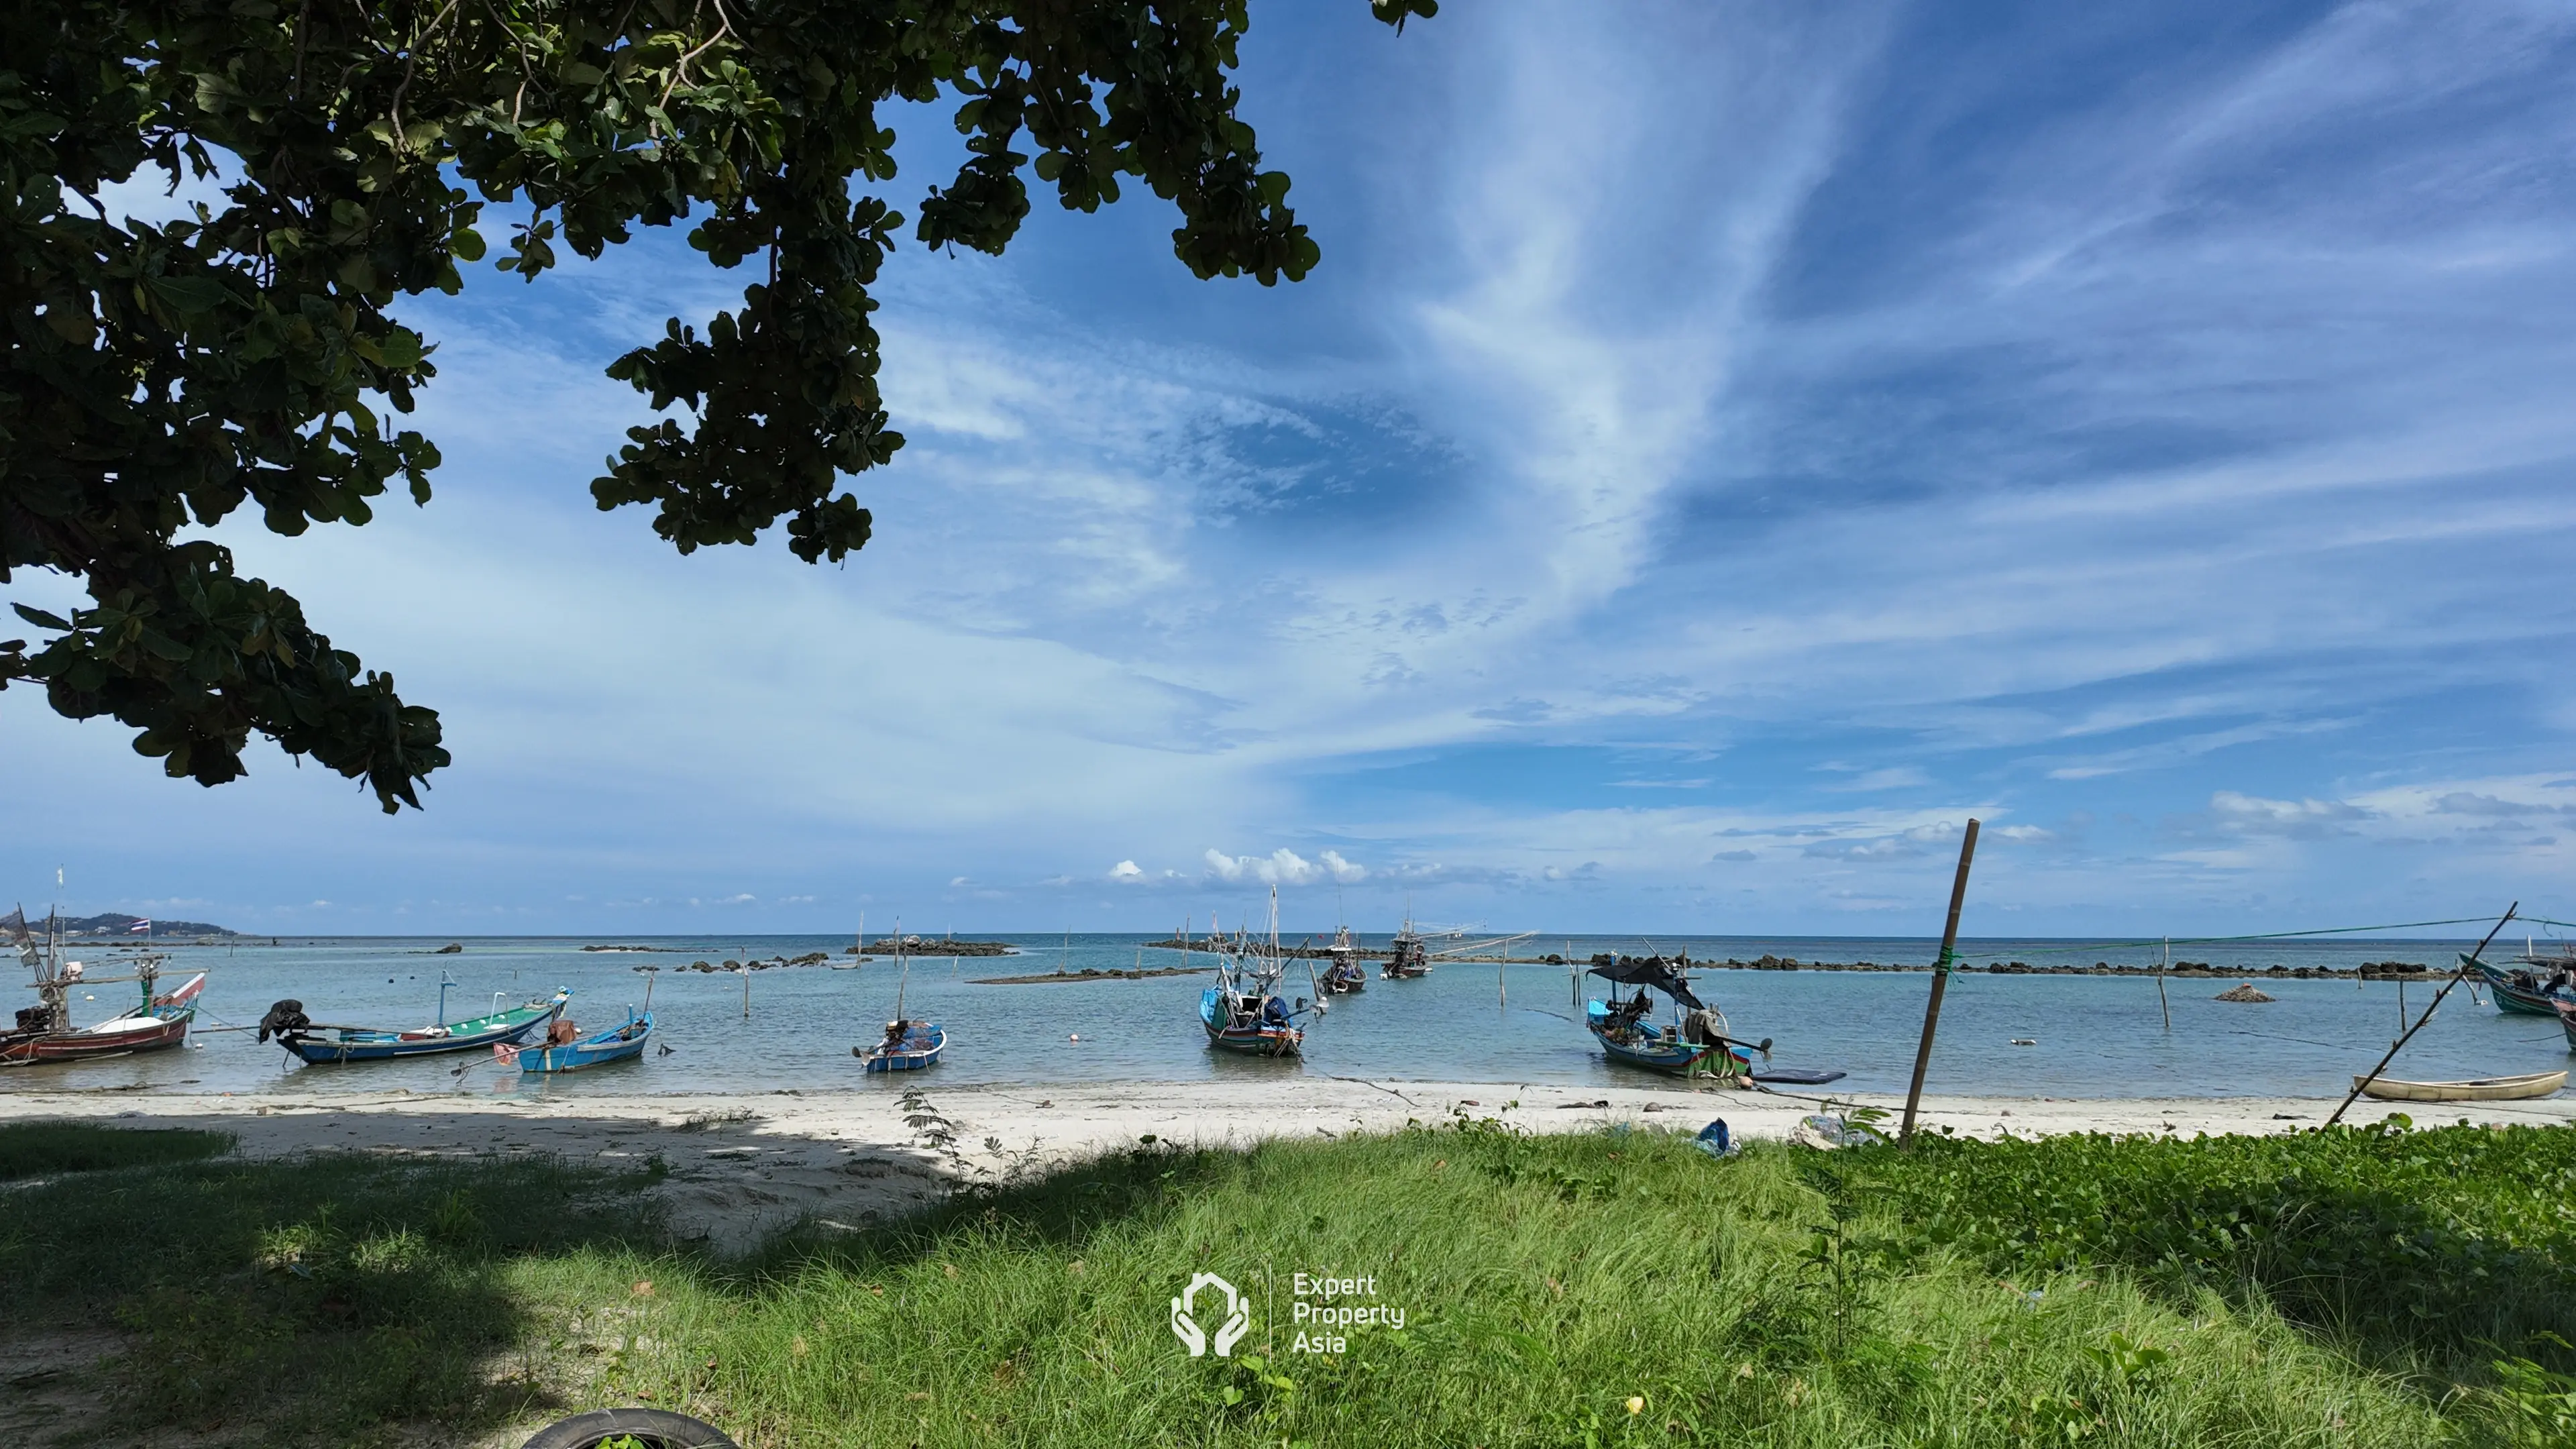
[1940,982]
[2396,1046]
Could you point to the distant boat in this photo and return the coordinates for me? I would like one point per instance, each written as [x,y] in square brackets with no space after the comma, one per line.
[44,1032]
[2532,990]
[620,1043]
[2483,1089]
[1345,975]
[1411,957]
[324,1045]
[1244,1012]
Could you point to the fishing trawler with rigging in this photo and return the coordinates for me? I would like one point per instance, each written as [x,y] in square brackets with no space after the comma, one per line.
[1244,1011]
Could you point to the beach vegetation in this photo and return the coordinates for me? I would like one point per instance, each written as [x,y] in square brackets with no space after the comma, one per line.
[2347,1287]
[42,1149]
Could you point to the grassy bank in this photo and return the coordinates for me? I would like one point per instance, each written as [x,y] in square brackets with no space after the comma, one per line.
[1614,1288]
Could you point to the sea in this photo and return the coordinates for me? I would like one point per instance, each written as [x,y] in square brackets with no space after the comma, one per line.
[792,1028]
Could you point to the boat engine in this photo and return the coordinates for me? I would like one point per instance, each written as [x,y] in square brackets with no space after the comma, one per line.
[284,1019]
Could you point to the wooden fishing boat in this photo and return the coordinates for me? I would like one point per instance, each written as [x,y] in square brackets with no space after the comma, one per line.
[623,1042]
[160,1024]
[2528,990]
[909,1046]
[1411,957]
[2567,1022]
[44,1032]
[1244,1012]
[1345,976]
[1235,1025]
[323,1045]
[2483,1089]
[1661,1049]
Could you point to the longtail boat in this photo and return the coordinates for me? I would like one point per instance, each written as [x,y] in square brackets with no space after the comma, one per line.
[326,1044]
[2482,1089]
[44,1033]
[1696,1045]
[2529,990]
[1244,1012]
[2567,1022]
[623,1042]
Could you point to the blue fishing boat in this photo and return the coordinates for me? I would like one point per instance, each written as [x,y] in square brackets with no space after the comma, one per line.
[623,1042]
[2533,991]
[1696,1045]
[322,1044]
[1639,1044]
[909,1046]
[1244,1011]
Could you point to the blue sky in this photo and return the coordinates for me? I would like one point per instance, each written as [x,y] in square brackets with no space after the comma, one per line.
[1722,450]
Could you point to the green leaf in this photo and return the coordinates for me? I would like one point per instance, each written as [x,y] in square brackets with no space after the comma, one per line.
[40,617]
[190,296]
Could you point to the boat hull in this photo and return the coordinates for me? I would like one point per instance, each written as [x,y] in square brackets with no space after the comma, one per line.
[2567,1023]
[622,1043]
[165,1027]
[2484,1089]
[2512,995]
[359,1045]
[1251,1041]
[919,1052]
[1667,1054]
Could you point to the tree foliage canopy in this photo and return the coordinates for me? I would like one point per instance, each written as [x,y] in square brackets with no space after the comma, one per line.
[163,376]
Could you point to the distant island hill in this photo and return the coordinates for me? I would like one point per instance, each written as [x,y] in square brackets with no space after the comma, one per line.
[111,923]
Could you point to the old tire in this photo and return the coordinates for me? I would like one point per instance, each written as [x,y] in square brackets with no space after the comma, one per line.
[652,1428]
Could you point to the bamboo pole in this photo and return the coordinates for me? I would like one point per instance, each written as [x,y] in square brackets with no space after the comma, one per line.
[1940,981]
[2456,978]
[2161,999]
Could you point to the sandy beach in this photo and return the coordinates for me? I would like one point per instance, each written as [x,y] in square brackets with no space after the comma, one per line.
[744,1165]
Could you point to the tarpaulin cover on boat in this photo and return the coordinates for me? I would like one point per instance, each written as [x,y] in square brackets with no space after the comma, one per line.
[1653,971]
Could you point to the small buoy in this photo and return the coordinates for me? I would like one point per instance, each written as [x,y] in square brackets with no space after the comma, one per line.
[2025,1041]
[1077,1036]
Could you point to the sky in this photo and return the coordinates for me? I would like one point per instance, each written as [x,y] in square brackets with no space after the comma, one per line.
[1723,450]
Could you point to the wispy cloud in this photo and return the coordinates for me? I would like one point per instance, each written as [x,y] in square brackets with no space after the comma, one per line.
[1722,452]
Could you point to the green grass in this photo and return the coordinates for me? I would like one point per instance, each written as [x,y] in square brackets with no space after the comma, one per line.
[1782,1298]
[40,1149]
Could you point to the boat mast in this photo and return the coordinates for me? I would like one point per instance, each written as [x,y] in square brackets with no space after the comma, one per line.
[902,968]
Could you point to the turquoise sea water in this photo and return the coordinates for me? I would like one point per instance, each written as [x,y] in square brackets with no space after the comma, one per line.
[2097,1036]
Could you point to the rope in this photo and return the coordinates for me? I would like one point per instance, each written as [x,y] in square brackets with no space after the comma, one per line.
[2078,948]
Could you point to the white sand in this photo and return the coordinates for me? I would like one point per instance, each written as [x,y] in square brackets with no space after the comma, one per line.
[742,1165]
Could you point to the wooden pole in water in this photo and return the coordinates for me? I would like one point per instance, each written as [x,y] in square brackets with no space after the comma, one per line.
[2161,999]
[1940,981]
[746,991]
[2456,978]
